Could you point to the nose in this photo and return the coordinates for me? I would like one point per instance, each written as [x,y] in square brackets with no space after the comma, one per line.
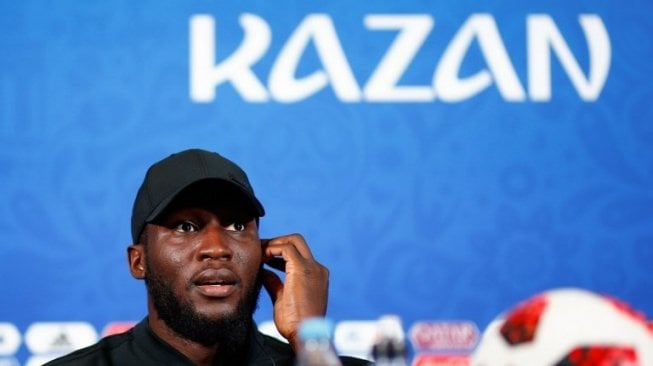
[214,244]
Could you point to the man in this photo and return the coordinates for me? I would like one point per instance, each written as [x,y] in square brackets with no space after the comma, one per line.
[195,228]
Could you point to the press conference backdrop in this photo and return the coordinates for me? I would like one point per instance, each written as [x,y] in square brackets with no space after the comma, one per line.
[444,159]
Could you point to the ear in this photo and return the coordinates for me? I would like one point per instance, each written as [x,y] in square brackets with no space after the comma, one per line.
[136,258]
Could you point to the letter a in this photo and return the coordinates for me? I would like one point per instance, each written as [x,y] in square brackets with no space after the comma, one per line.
[283,85]
[450,88]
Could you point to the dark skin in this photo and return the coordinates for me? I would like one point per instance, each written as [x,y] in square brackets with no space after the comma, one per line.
[210,257]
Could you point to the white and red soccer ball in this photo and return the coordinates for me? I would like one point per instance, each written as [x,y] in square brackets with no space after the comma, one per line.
[567,327]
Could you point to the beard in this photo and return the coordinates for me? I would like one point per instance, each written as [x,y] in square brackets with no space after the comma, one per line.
[229,332]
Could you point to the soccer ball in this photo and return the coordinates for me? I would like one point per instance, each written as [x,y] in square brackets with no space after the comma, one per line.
[567,327]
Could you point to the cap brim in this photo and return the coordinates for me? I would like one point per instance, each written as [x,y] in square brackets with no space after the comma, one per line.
[258,209]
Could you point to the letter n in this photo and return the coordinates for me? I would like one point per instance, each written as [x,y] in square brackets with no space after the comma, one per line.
[543,36]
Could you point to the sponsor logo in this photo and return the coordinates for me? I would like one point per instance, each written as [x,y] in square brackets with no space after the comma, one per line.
[355,338]
[441,360]
[39,360]
[438,336]
[351,338]
[117,328]
[9,339]
[9,361]
[53,338]
[543,39]
[267,327]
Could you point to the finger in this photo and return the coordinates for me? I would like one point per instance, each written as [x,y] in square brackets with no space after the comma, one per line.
[272,284]
[277,263]
[287,253]
[296,240]
[270,259]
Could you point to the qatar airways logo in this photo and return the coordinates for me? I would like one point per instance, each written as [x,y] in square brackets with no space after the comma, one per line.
[545,44]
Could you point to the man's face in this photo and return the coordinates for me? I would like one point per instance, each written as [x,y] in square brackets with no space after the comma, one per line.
[202,270]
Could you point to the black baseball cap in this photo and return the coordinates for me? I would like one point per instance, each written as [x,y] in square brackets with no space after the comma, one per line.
[165,179]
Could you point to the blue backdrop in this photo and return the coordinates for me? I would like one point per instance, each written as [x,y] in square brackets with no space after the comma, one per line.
[444,159]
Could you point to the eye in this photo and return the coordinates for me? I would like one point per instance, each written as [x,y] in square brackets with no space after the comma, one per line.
[237,226]
[187,226]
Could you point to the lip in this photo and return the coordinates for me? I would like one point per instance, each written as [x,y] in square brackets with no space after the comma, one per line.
[216,283]
[219,291]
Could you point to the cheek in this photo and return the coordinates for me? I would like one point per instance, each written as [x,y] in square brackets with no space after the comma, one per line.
[249,258]
[168,266]
[170,258]
[162,250]
[248,251]
[177,260]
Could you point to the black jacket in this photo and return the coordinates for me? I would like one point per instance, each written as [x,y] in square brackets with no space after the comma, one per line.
[141,347]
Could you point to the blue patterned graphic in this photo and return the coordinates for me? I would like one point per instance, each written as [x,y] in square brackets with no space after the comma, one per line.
[430,207]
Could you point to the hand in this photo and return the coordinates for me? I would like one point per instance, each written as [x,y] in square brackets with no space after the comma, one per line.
[305,291]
